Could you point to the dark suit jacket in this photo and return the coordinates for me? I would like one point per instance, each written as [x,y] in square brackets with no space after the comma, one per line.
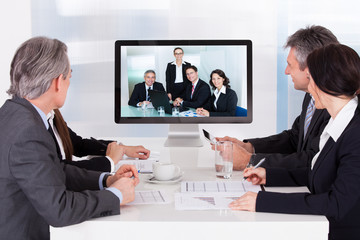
[139,92]
[200,97]
[84,147]
[289,149]
[36,189]
[170,79]
[226,104]
[333,183]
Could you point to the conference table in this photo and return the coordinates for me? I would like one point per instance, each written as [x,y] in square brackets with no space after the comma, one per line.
[130,111]
[162,221]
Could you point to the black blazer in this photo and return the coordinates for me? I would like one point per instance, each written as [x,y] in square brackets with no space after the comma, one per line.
[139,92]
[333,183]
[84,147]
[171,75]
[200,97]
[289,149]
[226,104]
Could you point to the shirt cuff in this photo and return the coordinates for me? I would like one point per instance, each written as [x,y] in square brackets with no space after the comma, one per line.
[102,175]
[116,192]
[112,165]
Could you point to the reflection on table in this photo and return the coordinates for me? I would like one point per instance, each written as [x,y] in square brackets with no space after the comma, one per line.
[130,111]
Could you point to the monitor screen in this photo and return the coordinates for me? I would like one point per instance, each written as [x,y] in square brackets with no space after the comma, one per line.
[187,79]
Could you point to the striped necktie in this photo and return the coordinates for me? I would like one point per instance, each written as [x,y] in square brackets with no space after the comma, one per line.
[148,95]
[309,113]
[192,90]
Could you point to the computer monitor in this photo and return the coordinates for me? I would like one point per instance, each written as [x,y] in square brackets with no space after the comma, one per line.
[134,57]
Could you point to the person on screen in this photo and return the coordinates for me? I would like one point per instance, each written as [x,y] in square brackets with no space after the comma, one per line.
[140,94]
[295,147]
[108,153]
[223,101]
[176,80]
[196,94]
[36,189]
[333,176]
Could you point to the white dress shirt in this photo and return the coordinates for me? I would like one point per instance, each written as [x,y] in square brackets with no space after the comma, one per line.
[335,127]
[217,94]
[179,72]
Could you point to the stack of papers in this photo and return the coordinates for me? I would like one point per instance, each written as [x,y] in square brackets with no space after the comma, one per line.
[205,195]
[144,166]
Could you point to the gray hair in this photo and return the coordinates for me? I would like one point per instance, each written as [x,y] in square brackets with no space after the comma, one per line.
[150,71]
[36,63]
[308,39]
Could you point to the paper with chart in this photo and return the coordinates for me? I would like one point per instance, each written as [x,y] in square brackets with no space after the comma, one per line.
[205,195]
[145,166]
[150,197]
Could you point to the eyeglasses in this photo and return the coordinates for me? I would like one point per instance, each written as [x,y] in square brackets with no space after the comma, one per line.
[178,53]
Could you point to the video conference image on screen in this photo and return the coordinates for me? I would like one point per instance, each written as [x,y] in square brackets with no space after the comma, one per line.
[198,79]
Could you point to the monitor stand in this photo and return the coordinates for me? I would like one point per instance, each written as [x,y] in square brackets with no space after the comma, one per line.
[183,135]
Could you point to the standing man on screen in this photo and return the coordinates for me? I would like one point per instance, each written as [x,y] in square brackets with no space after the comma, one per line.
[36,189]
[197,94]
[295,147]
[176,80]
[140,94]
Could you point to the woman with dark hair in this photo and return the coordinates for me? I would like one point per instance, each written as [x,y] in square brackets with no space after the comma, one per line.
[108,153]
[223,101]
[333,176]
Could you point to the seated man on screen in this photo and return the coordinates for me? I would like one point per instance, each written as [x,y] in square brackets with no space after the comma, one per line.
[140,94]
[197,94]
[293,148]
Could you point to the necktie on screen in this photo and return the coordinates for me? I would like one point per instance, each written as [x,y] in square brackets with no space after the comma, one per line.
[309,113]
[192,90]
[148,95]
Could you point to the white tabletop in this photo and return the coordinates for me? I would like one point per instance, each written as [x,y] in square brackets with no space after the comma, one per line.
[164,222]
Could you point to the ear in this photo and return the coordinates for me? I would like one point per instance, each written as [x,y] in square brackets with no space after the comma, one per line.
[57,82]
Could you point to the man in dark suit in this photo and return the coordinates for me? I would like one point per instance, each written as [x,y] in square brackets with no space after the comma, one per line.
[197,94]
[140,94]
[36,189]
[176,80]
[295,147]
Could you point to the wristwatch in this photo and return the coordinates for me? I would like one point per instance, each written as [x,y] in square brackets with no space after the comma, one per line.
[105,178]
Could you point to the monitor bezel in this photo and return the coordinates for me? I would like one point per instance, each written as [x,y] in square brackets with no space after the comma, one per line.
[190,120]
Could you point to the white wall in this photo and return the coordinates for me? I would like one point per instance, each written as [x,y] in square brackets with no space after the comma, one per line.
[90,27]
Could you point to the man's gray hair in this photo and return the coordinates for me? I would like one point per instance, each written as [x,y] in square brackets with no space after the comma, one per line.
[149,71]
[306,40]
[36,63]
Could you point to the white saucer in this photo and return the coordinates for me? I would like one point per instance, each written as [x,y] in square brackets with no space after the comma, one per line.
[173,180]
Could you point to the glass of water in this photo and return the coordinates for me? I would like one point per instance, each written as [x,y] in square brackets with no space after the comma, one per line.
[161,110]
[175,111]
[224,159]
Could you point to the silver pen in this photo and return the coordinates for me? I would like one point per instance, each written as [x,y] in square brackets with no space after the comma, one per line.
[256,166]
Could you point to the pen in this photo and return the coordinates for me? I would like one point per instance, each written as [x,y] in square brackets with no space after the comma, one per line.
[256,166]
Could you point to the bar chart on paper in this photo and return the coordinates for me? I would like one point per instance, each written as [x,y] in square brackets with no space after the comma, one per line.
[207,195]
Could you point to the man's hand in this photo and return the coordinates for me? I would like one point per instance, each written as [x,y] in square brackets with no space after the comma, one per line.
[137,152]
[241,157]
[127,188]
[115,152]
[127,171]
[247,146]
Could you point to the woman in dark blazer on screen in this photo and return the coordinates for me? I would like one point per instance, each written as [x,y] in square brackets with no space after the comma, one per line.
[333,177]
[223,101]
[175,87]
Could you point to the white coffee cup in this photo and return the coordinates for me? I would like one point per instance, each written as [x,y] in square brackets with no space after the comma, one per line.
[165,171]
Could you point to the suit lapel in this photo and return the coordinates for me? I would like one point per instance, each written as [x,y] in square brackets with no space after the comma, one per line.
[321,160]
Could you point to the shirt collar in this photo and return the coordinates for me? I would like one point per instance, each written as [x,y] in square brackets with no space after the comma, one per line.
[196,82]
[336,126]
[42,115]
[222,90]
[174,62]
[147,87]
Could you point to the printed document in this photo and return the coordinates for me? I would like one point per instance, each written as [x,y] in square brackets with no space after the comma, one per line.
[206,195]
[150,197]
